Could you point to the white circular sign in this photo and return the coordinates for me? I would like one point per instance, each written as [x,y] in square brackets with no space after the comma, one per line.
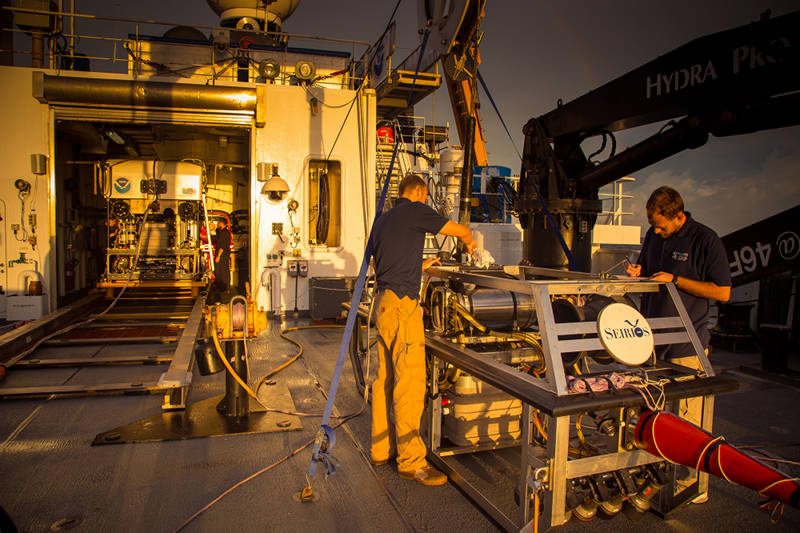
[625,334]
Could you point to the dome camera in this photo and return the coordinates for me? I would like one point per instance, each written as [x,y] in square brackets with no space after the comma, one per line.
[275,189]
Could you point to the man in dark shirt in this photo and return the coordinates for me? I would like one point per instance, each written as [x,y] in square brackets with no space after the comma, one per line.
[222,256]
[679,249]
[399,388]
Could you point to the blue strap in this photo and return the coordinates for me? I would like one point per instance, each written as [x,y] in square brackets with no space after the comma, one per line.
[359,288]
[326,440]
[567,252]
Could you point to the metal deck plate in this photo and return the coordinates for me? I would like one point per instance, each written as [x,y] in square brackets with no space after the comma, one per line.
[202,419]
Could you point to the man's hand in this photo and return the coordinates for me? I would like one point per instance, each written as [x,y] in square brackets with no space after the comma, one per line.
[662,276]
[429,262]
[634,271]
[471,247]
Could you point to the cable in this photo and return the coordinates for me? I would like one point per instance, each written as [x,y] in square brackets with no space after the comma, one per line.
[336,139]
[244,385]
[227,364]
[330,106]
[486,90]
[295,357]
[343,420]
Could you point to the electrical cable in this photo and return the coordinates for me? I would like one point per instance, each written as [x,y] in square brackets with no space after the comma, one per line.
[227,364]
[343,420]
[330,106]
[344,122]
[253,476]
[253,393]
[295,357]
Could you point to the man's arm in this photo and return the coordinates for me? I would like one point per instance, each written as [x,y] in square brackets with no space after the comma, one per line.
[462,233]
[702,289]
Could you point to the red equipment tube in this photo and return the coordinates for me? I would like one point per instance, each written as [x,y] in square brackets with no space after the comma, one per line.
[679,441]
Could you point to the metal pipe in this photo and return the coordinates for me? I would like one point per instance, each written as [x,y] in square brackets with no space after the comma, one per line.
[50,89]
[37,50]
[466,172]
[71,31]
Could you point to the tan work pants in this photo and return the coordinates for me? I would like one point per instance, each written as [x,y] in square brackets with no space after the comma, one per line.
[690,409]
[398,392]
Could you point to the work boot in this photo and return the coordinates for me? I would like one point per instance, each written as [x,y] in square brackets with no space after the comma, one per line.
[427,475]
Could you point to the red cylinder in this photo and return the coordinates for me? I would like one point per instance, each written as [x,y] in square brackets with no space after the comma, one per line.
[679,441]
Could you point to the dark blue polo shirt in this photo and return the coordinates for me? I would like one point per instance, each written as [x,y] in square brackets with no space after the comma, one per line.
[694,252]
[397,242]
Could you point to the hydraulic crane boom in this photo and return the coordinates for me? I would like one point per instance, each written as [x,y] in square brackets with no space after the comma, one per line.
[737,81]
[455,32]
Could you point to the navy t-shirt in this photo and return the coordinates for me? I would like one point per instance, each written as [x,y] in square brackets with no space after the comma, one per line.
[397,242]
[694,252]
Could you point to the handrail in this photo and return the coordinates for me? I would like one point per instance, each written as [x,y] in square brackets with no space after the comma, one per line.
[113,51]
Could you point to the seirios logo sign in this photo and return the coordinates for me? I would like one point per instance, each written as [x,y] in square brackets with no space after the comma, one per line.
[625,334]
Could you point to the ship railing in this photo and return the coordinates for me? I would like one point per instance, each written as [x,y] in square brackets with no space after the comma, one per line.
[62,40]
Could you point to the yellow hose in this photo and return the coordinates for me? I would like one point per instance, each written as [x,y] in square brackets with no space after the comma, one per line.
[228,366]
[297,355]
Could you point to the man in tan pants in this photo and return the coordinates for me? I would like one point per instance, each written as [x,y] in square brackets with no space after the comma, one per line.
[398,392]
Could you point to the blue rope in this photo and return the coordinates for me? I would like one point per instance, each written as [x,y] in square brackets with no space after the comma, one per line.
[503,122]
[567,252]
[325,433]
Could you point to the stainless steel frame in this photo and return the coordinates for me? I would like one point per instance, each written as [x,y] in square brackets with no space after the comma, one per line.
[548,471]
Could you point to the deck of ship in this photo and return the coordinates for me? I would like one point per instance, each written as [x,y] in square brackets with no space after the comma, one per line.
[52,476]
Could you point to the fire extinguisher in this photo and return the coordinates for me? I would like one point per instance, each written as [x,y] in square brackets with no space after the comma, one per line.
[69,277]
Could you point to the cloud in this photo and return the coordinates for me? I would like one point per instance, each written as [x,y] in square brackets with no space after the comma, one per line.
[730,200]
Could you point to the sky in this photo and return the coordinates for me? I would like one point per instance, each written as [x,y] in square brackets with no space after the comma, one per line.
[535,53]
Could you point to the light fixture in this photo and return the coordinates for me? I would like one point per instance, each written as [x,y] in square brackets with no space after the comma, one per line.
[269,69]
[304,70]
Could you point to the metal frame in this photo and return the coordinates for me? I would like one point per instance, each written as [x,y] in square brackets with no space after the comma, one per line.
[551,398]
[174,382]
[163,254]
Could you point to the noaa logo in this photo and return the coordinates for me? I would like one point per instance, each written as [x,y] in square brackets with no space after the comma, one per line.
[122,185]
[625,334]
